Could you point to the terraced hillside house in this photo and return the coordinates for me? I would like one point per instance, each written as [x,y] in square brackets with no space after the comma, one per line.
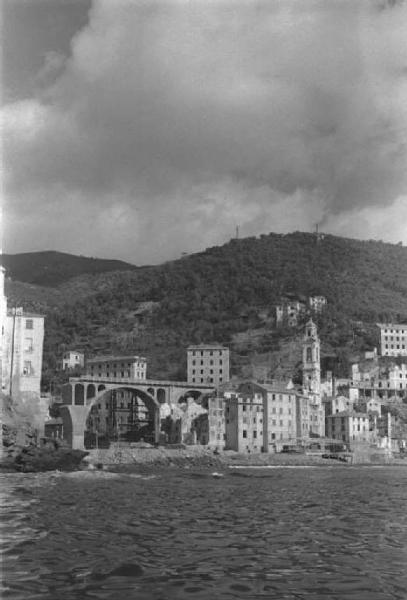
[73,359]
[289,311]
[317,303]
[208,363]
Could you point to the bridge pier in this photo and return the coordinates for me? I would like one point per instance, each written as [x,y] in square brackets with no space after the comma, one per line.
[74,423]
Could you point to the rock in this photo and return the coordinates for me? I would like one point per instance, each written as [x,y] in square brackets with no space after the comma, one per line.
[43,459]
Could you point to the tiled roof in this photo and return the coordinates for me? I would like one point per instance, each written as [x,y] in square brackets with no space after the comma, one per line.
[132,357]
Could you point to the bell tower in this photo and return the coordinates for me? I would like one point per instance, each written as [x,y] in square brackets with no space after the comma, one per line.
[311,367]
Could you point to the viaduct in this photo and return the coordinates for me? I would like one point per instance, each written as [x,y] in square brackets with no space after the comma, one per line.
[80,394]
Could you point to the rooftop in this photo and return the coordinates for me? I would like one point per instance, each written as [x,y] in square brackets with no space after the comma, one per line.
[349,413]
[392,325]
[212,346]
[19,312]
[131,357]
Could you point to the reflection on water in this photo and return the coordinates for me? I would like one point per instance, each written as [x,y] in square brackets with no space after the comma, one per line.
[320,533]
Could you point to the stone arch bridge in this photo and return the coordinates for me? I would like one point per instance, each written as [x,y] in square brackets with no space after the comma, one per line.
[80,394]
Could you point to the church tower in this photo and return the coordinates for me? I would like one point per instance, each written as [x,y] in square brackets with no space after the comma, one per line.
[311,367]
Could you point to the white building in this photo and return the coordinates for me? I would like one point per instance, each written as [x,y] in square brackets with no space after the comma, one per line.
[348,426]
[208,363]
[22,338]
[117,367]
[393,339]
[317,303]
[72,359]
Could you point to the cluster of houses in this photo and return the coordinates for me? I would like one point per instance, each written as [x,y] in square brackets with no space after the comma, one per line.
[249,416]
[246,416]
[292,307]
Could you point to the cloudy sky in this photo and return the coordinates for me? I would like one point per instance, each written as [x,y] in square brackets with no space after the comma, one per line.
[143,129]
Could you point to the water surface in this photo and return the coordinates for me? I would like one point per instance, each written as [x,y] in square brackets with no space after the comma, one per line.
[328,533]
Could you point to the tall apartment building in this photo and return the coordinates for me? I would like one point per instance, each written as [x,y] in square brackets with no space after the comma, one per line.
[286,415]
[208,363]
[22,338]
[393,339]
[244,423]
[117,367]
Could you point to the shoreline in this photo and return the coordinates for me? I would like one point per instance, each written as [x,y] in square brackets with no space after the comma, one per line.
[202,458]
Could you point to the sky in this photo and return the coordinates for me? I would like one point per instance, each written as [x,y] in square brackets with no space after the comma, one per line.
[143,129]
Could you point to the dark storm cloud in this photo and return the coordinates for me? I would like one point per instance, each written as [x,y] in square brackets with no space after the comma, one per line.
[178,119]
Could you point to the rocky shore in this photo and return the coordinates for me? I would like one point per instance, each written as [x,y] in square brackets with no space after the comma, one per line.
[23,449]
[127,459]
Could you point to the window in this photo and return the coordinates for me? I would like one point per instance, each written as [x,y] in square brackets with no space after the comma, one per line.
[29,324]
[244,433]
[28,344]
[254,434]
[27,370]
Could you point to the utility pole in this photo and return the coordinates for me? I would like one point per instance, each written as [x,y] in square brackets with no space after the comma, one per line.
[237,232]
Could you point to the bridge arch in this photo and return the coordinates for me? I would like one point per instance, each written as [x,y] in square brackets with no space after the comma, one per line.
[161,396]
[75,417]
[195,394]
[90,391]
[79,394]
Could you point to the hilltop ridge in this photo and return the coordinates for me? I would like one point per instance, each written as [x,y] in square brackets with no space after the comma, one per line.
[51,268]
[228,293]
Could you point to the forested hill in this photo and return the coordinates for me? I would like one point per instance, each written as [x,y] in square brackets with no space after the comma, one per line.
[50,268]
[227,294]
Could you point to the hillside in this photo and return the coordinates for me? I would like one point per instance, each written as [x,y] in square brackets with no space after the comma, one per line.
[227,294]
[51,268]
